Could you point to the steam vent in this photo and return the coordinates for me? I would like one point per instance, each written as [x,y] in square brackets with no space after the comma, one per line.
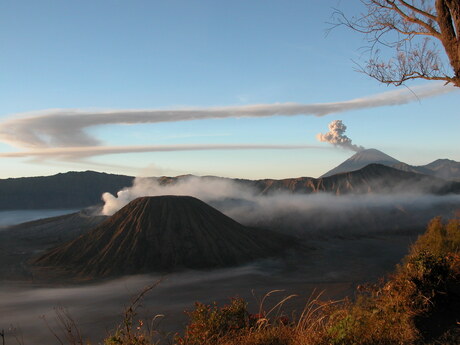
[164,233]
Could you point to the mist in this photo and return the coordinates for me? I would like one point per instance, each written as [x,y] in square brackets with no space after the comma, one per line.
[300,214]
[97,308]
[13,217]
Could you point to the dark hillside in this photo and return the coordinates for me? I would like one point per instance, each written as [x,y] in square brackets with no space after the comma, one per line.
[373,178]
[68,190]
[19,243]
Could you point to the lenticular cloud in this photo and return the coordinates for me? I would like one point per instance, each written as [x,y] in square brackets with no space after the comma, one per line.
[54,128]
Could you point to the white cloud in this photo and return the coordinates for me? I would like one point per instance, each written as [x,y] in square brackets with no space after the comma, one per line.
[66,127]
[70,153]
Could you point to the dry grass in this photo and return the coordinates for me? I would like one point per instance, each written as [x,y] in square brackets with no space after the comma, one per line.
[136,332]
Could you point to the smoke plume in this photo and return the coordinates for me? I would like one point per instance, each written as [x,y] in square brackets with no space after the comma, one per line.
[207,189]
[336,136]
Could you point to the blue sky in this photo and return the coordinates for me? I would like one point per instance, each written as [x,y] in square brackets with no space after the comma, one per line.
[109,55]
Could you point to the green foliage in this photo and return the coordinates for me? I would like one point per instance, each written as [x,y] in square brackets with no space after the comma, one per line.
[428,271]
[209,322]
[379,318]
[440,238]
[340,331]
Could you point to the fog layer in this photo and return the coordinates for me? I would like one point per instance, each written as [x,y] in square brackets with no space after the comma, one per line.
[20,216]
[301,214]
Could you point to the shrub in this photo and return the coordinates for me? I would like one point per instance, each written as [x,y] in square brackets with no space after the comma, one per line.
[209,322]
[439,238]
[274,335]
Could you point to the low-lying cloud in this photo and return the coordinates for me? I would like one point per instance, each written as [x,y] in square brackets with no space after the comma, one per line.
[302,214]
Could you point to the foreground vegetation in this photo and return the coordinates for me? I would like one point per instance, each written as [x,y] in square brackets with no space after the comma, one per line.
[418,304]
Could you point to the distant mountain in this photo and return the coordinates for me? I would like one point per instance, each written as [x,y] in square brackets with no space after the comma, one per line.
[373,178]
[83,189]
[443,168]
[362,158]
[377,178]
[163,234]
[68,190]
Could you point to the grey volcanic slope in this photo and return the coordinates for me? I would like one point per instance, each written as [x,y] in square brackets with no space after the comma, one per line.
[445,168]
[162,234]
[362,158]
[442,168]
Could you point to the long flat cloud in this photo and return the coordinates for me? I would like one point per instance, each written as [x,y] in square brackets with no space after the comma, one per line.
[72,153]
[66,127]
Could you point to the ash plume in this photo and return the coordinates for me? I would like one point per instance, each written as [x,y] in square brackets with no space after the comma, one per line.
[336,136]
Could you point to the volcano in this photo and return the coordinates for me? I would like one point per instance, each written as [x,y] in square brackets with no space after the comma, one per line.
[361,159]
[443,168]
[164,233]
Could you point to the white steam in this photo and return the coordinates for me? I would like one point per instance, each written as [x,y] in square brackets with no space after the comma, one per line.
[301,214]
[336,136]
[206,189]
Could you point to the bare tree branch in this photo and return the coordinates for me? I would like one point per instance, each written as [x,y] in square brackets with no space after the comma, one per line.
[427,14]
[423,34]
[412,19]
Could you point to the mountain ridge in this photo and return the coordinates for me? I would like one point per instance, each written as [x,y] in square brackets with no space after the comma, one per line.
[64,190]
[84,189]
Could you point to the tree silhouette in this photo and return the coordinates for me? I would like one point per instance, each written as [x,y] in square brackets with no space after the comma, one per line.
[424,36]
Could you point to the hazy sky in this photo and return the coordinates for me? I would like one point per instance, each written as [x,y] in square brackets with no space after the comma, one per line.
[229,88]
